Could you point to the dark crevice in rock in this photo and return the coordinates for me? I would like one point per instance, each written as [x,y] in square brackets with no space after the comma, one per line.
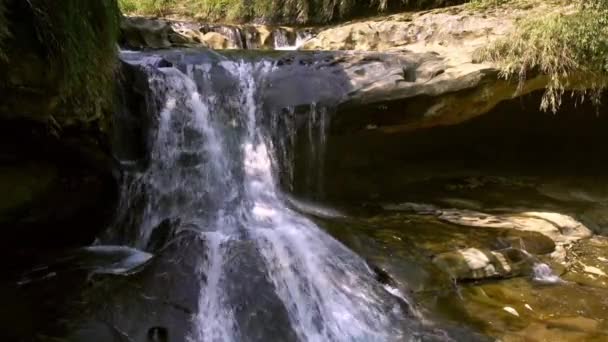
[367,160]
[61,189]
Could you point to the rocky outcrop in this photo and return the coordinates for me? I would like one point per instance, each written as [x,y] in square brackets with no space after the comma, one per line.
[474,264]
[57,172]
[442,45]
[418,68]
[562,229]
[148,33]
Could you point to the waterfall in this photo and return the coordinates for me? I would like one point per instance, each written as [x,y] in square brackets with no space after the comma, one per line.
[283,41]
[214,167]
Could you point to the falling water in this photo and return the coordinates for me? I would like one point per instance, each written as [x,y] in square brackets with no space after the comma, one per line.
[318,125]
[543,274]
[283,42]
[213,166]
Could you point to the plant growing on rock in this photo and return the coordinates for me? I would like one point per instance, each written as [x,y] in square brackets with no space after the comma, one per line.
[74,43]
[81,37]
[570,49]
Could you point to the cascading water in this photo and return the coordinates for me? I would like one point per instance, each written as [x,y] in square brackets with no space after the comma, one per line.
[282,42]
[213,168]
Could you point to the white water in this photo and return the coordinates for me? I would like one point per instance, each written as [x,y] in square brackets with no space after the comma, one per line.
[543,274]
[281,42]
[212,166]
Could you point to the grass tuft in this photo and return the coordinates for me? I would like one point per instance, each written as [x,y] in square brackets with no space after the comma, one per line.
[483,4]
[570,49]
[80,37]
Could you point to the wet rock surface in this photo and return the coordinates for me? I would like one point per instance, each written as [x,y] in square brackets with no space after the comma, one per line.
[496,270]
[60,191]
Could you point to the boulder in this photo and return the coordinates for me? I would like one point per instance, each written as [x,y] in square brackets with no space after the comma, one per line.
[152,33]
[416,90]
[563,230]
[217,41]
[596,218]
[57,173]
[475,264]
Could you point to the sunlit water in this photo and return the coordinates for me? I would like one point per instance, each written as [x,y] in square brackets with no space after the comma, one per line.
[213,166]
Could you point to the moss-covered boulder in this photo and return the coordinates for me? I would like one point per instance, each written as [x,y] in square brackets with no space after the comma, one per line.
[59,60]
[57,75]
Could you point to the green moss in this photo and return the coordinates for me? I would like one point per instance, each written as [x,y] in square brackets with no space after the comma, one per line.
[80,37]
[571,50]
[482,4]
[63,47]
[22,184]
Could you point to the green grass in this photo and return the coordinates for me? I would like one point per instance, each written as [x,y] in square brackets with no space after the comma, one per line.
[482,4]
[273,11]
[571,50]
[4,32]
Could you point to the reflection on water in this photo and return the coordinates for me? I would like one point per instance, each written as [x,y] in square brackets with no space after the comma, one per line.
[556,297]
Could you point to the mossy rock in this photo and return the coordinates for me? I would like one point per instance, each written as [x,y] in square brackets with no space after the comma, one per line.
[22,185]
[59,60]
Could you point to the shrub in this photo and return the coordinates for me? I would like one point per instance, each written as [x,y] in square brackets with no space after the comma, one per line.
[570,49]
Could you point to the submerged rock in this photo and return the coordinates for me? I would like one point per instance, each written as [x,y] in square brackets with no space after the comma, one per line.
[562,230]
[217,41]
[475,264]
[137,33]
[58,177]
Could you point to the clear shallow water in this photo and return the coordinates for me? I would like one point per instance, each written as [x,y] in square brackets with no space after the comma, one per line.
[214,168]
[552,302]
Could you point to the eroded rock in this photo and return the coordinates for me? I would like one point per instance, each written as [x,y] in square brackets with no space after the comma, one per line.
[217,41]
[473,263]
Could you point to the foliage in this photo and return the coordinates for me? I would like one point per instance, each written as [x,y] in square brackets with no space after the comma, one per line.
[147,7]
[570,49]
[274,11]
[481,4]
[80,37]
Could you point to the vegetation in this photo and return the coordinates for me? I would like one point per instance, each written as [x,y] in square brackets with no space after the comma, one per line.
[80,36]
[273,11]
[75,39]
[481,4]
[570,49]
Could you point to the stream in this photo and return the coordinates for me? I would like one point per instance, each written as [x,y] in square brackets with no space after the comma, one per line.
[212,243]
